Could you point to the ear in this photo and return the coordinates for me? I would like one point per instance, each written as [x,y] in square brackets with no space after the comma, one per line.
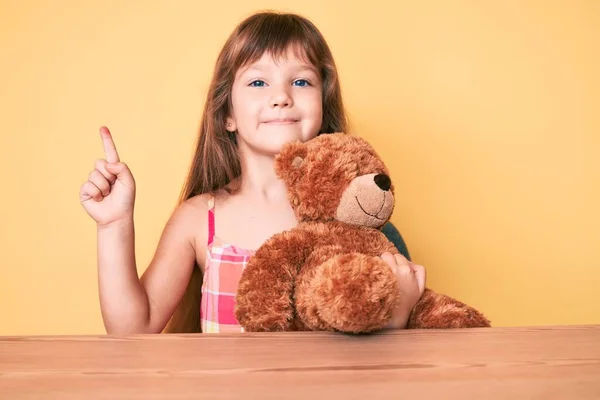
[290,163]
[230,125]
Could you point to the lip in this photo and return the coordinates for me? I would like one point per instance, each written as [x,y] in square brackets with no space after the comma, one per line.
[280,121]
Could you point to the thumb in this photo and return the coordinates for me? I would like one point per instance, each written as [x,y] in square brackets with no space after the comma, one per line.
[421,276]
[122,172]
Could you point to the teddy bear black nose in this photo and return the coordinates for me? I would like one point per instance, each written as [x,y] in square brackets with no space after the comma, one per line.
[383,181]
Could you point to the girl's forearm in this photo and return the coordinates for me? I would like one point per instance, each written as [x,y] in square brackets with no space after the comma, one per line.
[123,300]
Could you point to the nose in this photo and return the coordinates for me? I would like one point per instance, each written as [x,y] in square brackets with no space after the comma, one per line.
[280,98]
[383,181]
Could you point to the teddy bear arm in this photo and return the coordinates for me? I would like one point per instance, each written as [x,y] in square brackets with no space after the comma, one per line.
[377,244]
[439,311]
[264,300]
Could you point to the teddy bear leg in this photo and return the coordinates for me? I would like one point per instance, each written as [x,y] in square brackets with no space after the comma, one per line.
[438,311]
[352,293]
[307,312]
[264,297]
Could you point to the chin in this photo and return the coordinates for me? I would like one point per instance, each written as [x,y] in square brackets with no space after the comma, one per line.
[270,139]
[273,147]
[274,141]
[268,147]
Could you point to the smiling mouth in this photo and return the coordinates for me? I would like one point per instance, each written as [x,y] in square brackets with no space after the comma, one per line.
[281,121]
[372,215]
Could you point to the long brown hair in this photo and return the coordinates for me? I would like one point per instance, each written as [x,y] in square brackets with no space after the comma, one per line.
[216,161]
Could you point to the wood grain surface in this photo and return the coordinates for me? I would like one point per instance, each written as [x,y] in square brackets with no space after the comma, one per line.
[498,363]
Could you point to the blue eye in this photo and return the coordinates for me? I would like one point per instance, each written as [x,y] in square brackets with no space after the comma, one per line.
[302,82]
[257,83]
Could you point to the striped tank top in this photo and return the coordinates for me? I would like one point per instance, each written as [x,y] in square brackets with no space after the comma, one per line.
[222,272]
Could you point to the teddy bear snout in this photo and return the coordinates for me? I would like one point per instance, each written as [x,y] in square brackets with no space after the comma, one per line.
[368,200]
[383,181]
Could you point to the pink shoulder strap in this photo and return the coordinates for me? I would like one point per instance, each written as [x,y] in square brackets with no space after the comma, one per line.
[211,219]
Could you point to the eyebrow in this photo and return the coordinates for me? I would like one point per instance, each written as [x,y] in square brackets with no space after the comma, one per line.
[263,68]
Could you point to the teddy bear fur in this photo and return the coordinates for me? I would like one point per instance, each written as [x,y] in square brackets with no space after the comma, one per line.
[326,273]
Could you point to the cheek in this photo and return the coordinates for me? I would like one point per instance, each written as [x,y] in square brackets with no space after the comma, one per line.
[246,109]
[245,103]
[318,102]
[318,112]
[313,106]
[310,98]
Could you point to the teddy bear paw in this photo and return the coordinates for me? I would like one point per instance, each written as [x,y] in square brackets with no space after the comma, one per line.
[448,317]
[352,293]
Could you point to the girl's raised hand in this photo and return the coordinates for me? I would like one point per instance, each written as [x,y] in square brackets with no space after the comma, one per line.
[108,196]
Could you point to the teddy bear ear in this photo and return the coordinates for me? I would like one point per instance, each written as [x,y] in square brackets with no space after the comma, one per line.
[297,162]
[290,162]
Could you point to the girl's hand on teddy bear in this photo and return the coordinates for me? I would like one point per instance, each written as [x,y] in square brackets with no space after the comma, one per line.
[411,282]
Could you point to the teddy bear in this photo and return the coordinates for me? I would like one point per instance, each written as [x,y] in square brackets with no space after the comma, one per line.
[326,274]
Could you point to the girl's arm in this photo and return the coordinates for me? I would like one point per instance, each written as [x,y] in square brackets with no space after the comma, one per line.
[132,305]
[128,304]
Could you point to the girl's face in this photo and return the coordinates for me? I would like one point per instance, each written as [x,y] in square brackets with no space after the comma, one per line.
[275,102]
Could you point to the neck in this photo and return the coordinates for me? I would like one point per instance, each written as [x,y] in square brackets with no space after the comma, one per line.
[259,178]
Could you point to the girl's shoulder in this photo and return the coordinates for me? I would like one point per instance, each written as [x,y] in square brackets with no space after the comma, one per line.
[202,203]
[198,204]
[195,210]
[191,217]
[194,214]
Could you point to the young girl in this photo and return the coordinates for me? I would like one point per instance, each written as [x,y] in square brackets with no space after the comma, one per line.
[275,81]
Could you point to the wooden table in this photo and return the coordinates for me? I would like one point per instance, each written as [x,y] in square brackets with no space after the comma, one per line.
[498,363]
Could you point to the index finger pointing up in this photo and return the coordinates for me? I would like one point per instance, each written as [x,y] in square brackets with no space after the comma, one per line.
[110,150]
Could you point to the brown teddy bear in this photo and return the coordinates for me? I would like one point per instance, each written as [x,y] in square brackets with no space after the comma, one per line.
[327,273]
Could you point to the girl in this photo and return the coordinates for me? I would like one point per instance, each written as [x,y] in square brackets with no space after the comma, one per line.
[275,81]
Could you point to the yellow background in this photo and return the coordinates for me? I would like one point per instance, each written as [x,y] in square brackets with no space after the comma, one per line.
[486,112]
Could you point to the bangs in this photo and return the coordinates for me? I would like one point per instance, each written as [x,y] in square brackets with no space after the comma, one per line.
[277,35]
